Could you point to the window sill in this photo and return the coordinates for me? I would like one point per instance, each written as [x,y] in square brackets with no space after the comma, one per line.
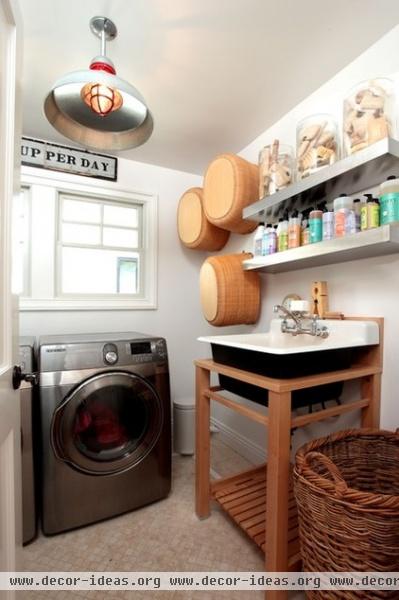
[28,304]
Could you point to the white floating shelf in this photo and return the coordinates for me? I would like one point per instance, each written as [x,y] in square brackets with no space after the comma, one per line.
[366,244]
[361,171]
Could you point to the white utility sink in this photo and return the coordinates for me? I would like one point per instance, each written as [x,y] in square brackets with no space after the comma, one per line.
[342,334]
[285,356]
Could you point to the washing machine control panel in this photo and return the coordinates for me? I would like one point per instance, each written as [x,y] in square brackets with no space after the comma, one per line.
[89,351]
[148,351]
[141,351]
[110,354]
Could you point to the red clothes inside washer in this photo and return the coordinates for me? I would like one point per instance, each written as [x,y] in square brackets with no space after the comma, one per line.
[101,422]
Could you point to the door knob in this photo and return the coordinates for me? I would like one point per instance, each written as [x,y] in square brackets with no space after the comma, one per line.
[18,376]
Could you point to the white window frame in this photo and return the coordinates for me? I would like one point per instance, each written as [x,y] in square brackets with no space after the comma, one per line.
[45,293]
[26,287]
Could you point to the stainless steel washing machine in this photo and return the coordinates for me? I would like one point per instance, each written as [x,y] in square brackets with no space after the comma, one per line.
[106,426]
[28,366]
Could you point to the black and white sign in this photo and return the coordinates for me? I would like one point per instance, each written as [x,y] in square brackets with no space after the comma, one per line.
[44,155]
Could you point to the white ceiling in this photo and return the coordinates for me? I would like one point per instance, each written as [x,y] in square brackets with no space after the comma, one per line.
[215,73]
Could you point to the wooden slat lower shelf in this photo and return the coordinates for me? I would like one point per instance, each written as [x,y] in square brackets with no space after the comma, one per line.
[243,497]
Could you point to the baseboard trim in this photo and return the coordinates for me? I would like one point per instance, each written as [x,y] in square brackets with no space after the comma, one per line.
[241,444]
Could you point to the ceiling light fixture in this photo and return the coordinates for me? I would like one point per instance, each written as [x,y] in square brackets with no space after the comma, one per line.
[95,107]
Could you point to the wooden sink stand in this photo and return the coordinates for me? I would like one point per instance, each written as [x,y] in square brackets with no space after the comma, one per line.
[260,500]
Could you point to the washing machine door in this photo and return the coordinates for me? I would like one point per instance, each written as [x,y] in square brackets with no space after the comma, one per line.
[107,424]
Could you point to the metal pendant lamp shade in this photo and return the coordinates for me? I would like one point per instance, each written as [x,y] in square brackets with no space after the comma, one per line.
[96,108]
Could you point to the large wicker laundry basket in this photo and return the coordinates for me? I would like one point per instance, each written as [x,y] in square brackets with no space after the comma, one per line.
[347,492]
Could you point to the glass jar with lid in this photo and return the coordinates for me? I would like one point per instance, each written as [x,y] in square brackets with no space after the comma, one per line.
[317,144]
[276,168]
[368,114]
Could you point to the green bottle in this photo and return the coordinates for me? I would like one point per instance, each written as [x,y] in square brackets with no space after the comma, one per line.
[282,234]
[389,200]
[370,214]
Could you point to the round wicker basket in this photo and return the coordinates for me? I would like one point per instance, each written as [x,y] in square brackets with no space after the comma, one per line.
[230,184]
[229,295]
[347,492]
[195,231]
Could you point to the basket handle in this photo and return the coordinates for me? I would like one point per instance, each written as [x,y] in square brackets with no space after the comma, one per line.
[340,483]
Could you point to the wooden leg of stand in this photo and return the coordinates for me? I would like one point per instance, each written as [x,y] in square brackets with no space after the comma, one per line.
[278,474]
[371,388]
[202,445]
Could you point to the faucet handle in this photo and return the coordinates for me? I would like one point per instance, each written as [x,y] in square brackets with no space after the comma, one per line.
[281,311]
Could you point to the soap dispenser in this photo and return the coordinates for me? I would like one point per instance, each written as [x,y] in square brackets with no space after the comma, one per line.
[370,213]
[282,233]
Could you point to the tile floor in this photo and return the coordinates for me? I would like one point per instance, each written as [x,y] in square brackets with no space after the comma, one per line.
[165,536]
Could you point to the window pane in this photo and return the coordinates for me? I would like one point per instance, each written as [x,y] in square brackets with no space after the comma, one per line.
[125,238]
[92,271]
[119,215]
[127,275]
[83,212]
[81,234]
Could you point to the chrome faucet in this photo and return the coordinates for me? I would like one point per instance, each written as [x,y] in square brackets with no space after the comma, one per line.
[299,318]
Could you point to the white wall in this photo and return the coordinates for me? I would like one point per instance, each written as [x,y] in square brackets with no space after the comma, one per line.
[178,317]
[367,287]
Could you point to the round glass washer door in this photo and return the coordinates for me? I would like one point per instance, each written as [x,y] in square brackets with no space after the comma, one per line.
[107,424]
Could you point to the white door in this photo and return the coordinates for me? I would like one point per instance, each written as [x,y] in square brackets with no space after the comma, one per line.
[10,80]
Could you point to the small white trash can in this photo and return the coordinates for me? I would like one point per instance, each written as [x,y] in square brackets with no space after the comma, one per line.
[184,425]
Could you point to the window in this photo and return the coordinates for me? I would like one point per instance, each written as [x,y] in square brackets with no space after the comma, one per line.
[89,247]
[100,247]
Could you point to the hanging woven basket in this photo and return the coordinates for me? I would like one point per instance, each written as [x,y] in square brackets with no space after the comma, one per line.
[229,295]
[230,184]
[195,231]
